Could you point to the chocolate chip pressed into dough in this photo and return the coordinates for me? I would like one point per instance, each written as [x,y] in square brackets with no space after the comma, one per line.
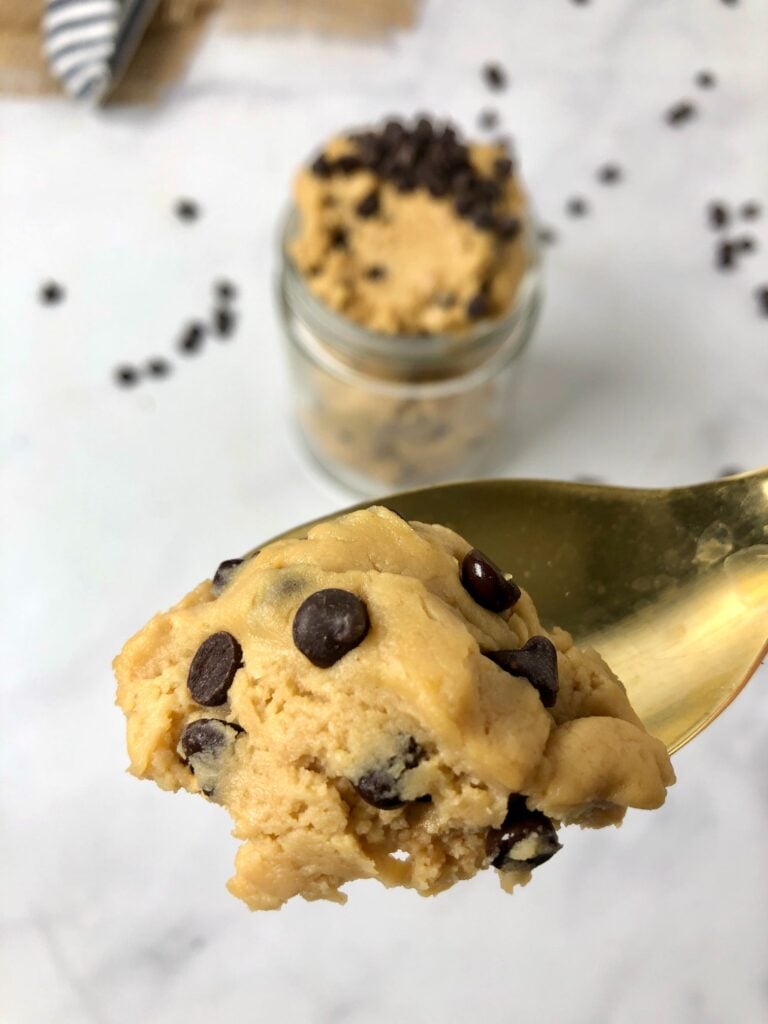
[412,758]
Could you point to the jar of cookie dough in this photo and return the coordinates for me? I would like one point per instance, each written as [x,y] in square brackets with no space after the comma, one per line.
[392,392]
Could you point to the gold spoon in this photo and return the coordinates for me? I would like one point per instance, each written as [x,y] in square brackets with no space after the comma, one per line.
[670,586]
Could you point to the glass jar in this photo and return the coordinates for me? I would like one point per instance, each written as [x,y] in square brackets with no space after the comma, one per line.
[387,412]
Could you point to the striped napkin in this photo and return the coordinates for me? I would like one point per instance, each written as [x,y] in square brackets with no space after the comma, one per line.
[88,43]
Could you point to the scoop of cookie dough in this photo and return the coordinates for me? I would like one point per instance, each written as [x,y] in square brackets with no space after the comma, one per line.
[379,700]
[409,230]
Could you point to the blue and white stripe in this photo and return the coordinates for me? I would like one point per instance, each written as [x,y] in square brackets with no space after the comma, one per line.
[79,41]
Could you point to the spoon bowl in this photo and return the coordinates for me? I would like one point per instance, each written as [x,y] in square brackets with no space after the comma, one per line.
[670,586]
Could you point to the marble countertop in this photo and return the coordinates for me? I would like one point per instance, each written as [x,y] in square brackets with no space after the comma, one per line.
[649,367]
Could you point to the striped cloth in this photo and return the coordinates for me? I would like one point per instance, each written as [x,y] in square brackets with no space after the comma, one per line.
[79,38]
[89,43]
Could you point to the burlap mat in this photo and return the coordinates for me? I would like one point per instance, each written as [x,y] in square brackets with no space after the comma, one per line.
[175,32]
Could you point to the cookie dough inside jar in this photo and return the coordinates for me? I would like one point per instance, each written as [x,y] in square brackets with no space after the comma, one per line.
[409,288]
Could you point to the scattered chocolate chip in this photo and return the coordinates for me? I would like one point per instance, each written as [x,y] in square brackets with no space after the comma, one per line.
[547,236]
[478,307]
[187,209]
[486,583]
[224,574]
[488,119]
[201,745]
[494,77]
[369,205]
[329,624]
[761,294]
[705,80]
[536,661]
[508,228]
[225,291]
[338,237]
[126,376]
[321,167]
[192,339]
[725,256]
[750,210]
[51,293]
[213,668]
[577,207]
[376,272]
[158,367]
[381,787]
[224,322]
[522,826]
[609,174]
[745,243]
[718,215]
[680,113]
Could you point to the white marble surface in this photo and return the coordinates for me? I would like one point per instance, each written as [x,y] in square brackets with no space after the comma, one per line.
[649,368]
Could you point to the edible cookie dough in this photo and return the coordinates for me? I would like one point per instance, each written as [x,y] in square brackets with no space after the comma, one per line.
[408,230]
[379,701]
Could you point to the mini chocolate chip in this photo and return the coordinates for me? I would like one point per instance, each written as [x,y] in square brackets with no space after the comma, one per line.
[51,293]
[522,824]
[745,243]
[158,367]
[329,624]
[718,215]
[187,209]
[205,735]
[502,167]
[577,207]
[380,787]
[445,300]
[321,167]
[349,163]
[369,205]
[338,237]
[224,322]
[126,376]
[485,582]
[201,745]
[488,119]
[494,76]
[680,113]
[547,236]
[609,174]
[192,339]
[761,294]
[705,80]
[224,573]
[725,256]
[463,205]
[750,210]
[483,219]
[536,661]
[226,291]
[213,668]
[508,228]
[376,272]
[477,307]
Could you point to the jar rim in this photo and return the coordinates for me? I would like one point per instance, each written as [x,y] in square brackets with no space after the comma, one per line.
[414,350]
